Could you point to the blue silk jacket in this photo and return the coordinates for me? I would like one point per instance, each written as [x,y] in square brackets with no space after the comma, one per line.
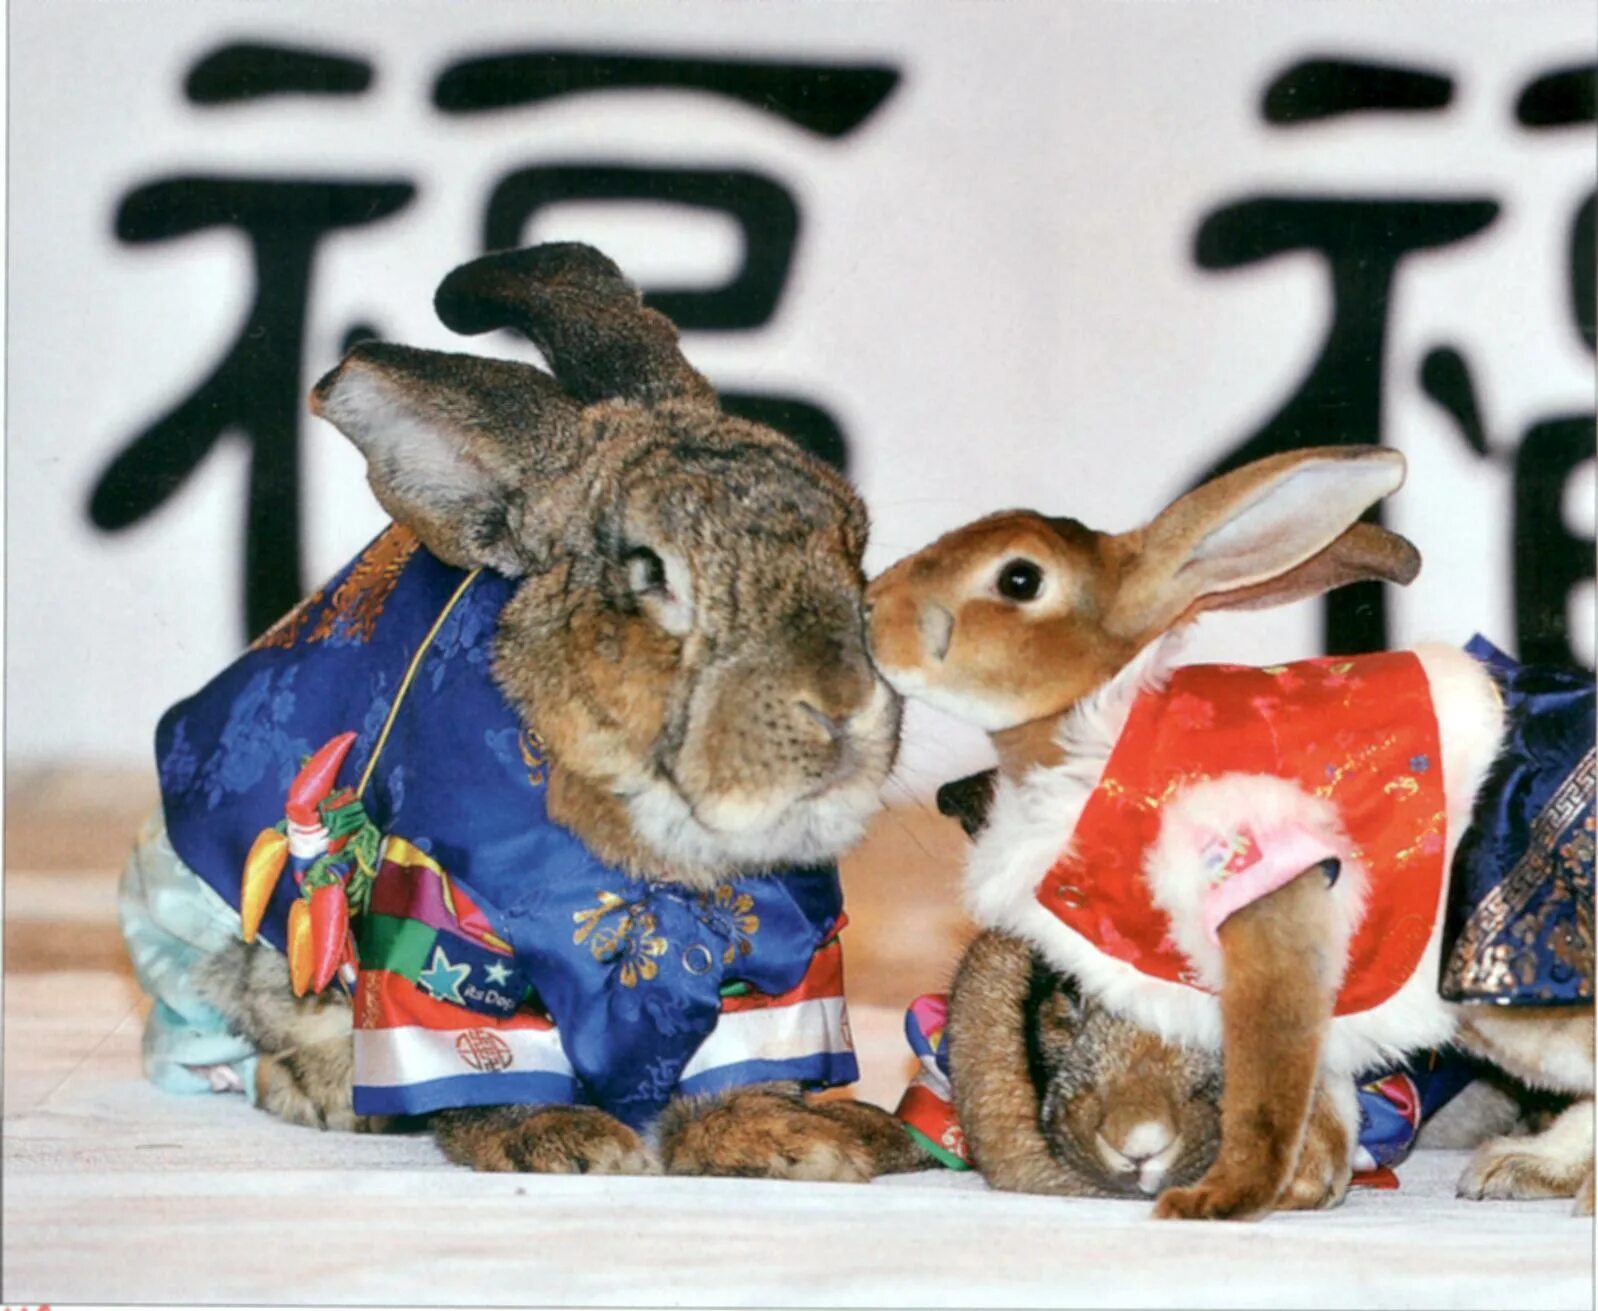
[633,974]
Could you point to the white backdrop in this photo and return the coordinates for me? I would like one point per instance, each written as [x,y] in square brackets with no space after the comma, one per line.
[994,288]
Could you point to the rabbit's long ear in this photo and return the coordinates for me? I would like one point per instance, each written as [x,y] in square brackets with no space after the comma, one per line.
[474,455]
[588,321]
[1274,531]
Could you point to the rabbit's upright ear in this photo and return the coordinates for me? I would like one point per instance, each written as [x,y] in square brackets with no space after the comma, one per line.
[589,322]
[1272,532]
[474,455]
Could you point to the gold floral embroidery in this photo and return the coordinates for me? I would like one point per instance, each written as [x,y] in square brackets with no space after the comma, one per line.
[730,913]
[532,749]
[628,937]
[1428,839]
[1366,759]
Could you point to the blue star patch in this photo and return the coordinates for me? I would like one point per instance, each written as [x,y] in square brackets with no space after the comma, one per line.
[444,980]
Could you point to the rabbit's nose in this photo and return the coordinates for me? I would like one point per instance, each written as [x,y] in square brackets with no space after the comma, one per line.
[1144,1155]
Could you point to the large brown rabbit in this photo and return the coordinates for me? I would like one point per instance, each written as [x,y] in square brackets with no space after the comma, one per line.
[1281,904]
[659,605]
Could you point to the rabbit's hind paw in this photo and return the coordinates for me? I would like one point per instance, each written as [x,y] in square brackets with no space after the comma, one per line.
[1558,1162]
[542,1140]
[771,1132]
[312,1086]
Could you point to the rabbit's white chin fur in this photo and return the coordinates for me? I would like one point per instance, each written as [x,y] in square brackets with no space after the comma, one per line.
[806,831]
[989,712]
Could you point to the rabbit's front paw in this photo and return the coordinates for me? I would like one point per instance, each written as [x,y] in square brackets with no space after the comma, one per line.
[542,1140]
[1558,1162]
[1584,1195]
[312,1086]
[1320,1183]
[1220,1195]
[1516,1169]
[773,1133]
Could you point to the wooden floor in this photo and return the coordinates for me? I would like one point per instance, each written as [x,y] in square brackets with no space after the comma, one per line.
[115,1192]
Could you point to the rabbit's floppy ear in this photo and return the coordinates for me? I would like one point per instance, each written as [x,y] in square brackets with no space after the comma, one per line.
[589,322]
[1365,551]
[472,454]
[1273,531]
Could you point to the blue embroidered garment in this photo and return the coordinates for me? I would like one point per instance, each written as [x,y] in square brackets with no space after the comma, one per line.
[1395,1103]
[1519,929]
[632,972]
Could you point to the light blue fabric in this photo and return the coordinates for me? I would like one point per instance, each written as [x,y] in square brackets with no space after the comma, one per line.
[172,921]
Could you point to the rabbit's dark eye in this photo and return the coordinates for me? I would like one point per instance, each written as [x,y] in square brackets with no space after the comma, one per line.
[1020,580]
[646,571]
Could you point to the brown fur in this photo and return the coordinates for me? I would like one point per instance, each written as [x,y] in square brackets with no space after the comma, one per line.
[772,1132]
[1518,1041]
[1051,1088]
[1042,1088]
[548,1140]
[703,727]
[993,1088]
[1558,1162]
[988,651]
[1275,1010]
[305,1069]
[1325,1161]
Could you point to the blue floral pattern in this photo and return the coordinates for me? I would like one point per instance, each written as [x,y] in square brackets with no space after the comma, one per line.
[468,630]
[376,716]
[253,743]
[178,765]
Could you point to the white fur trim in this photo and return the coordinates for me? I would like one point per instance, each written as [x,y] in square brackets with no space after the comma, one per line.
[1178,879]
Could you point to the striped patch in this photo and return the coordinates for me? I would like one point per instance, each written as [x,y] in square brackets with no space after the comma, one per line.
[415,1053]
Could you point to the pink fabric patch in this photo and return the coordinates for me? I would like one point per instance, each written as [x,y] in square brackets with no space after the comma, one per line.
[1245,864]
[931,1012]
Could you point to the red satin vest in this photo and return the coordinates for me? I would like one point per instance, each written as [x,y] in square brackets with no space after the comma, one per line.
[1359,731]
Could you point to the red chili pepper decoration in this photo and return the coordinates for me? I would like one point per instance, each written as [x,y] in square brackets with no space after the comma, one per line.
[315,780]
[330,926]
[299,944]
[262,868]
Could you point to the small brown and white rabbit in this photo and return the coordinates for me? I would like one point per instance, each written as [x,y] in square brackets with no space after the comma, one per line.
[1140,878]
[681,652]
[1062,1096]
